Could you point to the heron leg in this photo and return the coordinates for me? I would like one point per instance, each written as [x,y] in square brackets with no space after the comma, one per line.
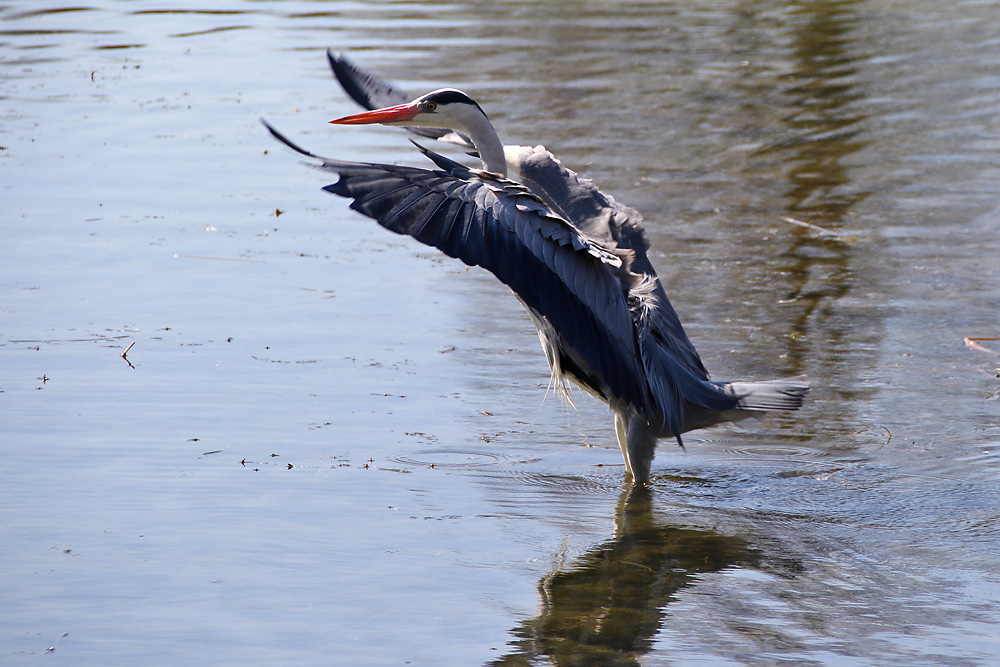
[622,440]
[637,440]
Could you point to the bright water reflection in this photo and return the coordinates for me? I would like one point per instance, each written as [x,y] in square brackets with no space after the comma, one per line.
[331,446]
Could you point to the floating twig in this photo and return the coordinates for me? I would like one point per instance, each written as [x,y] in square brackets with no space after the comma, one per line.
[52,649]
[125,355]
[970,342]
[809,225]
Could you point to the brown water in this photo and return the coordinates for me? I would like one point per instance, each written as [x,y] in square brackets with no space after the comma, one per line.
[335,446]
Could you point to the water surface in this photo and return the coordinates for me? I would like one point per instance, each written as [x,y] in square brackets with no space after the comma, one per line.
[331,445]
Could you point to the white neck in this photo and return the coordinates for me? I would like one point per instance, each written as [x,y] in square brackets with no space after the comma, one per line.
[478,128]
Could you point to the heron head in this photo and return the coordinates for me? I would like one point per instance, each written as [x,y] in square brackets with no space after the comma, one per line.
[446,108]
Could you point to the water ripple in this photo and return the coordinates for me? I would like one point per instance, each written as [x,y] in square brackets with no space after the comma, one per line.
[450,458]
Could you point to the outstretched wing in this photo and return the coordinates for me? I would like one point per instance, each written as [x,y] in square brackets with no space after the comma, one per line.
[578,286]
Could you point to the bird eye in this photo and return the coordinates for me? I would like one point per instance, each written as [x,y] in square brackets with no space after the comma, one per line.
[431,106]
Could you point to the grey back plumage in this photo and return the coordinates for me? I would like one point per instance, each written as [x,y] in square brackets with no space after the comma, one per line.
[673,370]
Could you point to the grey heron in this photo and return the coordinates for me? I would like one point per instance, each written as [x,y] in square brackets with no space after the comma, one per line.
[575,258]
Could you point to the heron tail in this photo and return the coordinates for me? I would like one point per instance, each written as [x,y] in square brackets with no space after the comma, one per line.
[786,394]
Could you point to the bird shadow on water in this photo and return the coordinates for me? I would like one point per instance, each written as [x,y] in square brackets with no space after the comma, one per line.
[607,607]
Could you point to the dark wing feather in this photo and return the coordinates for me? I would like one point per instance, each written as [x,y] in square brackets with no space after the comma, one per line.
[363,86]
[675,386]
[556,271]
[674,370]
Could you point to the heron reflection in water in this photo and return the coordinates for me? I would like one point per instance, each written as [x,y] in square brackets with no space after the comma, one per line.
[575,258]
[607,605]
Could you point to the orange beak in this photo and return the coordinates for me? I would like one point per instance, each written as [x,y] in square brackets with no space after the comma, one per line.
[398,114]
